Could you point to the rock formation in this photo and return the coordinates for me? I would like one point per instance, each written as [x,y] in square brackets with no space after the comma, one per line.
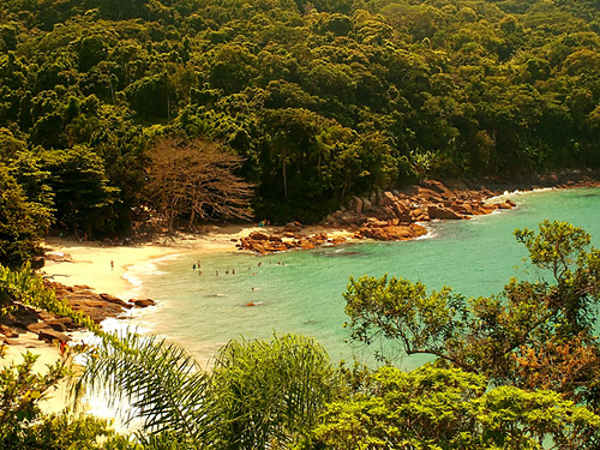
[48,327]
[393,215]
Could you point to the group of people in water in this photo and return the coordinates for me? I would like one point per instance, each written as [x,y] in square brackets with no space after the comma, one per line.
[198,267]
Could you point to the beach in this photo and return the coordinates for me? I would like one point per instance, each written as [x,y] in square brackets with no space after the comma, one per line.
[103,268]
[72,263]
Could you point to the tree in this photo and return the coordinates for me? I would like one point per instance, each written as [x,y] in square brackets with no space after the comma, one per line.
[269,392]
[260,393]
[22,223]
[451,409]
[83,195]
[197,180]
[510,337]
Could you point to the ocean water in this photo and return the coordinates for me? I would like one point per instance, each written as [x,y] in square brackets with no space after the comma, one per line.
[301,291]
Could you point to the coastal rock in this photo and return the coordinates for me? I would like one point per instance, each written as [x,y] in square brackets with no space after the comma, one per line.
[438,187]
[142,303]
[57,326]
[348,217]
[357,206]
[387,198]
[367,204]
[429,196]
[9,332]
[258,236]
[438,212]
[393,232]
[507,204]
[373,222]
[463,208]
[114,300]
[292,226]
[49,335]
[401,210]
[419,215]
[97,306]
[37,327]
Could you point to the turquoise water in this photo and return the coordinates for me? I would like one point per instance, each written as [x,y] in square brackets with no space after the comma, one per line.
[301,291]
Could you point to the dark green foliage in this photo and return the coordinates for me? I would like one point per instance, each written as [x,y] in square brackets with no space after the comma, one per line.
[22,223]
[323,100]
[452,409]
[518,337]
[82,194]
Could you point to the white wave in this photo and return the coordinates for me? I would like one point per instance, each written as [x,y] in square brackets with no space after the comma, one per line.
[511,194]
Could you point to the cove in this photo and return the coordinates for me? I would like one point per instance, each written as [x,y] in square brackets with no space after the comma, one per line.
[301,291]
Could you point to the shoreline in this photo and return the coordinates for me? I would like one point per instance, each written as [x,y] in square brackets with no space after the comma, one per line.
[72,261]
[88,264]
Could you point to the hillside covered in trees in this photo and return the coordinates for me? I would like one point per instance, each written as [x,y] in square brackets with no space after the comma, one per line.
[308,102]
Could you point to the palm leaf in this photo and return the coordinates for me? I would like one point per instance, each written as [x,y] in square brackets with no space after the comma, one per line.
[164,385]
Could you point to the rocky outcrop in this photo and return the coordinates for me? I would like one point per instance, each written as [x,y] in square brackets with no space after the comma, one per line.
[391,232]
[49,328]
[262,242]
[400,210]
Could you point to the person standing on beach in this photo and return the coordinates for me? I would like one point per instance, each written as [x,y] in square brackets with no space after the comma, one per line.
[112,265]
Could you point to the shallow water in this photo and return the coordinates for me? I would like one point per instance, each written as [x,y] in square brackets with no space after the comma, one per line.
[301,291]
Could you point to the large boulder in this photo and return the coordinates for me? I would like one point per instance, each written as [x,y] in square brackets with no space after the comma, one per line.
[259,236]
[429,196]
[9,332]
[293,227]
[50,335]
[393,232]
[373,222]
[357,205]
[143,303]
[348,217]
[439,187]
[387,198]
[440,212]
[367,204]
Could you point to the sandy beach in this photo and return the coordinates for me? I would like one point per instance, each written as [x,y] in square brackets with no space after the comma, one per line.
[89,263]
[102,267]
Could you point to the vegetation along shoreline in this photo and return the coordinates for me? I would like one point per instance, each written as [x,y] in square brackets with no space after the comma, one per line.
[140,129]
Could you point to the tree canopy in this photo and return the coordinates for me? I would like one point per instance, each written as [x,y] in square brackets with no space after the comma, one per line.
[322,100]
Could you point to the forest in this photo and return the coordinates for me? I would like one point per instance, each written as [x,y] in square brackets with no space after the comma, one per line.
[308,102]
[119,115]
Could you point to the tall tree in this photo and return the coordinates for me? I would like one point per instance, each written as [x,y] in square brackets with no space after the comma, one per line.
[22,223]
[196,179]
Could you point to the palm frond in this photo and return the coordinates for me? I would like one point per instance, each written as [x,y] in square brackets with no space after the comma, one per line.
[164,386]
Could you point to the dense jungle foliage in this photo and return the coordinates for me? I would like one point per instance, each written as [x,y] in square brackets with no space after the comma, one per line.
[321,99]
